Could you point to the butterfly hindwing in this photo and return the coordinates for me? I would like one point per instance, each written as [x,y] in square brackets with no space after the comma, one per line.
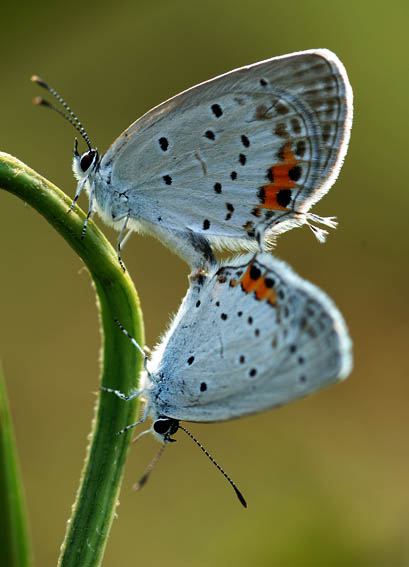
[250,336]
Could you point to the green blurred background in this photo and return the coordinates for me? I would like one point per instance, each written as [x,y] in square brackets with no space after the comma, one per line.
[327,478]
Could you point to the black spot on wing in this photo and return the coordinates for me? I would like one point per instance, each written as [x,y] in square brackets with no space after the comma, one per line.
[163,143]
[217,110]
[300,148]
[295,173]
[255,272]
[210,135]
[284,197]
[245,141]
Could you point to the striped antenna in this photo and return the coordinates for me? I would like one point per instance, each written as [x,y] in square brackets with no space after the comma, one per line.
[226,476]
[70,117]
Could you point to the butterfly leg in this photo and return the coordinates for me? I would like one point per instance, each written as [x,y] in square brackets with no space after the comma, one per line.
[132,425]
[90,211]
[121,394]
[78,192]
[122,240]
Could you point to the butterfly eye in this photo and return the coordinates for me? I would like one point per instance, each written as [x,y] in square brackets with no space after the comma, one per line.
[87,159]
[165,425]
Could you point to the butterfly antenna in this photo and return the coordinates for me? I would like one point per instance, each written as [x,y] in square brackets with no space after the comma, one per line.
[226,476]
[142,481]
[71,117]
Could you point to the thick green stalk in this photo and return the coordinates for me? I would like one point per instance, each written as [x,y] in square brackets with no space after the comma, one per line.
[95,503]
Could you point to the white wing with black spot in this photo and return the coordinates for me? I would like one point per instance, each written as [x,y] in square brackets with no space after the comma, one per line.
[250,336]
[244,154]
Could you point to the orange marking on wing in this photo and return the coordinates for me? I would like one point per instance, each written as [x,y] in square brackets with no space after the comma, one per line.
[270,201]
[282,180]
[272,298]
[262,292]
[247,283]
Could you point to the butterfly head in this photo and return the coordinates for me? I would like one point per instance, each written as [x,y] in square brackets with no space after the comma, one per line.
[84,164]
[163,427]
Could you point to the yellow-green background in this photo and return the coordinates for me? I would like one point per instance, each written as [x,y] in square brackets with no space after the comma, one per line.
[327,478]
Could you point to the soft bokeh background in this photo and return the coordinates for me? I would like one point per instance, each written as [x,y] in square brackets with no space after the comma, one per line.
[327,478]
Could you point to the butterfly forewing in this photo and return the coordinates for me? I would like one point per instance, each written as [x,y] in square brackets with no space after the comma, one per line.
[247,151]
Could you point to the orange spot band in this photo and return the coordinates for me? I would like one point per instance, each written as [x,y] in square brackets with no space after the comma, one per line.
[282,180]
[247,283]
[259,287]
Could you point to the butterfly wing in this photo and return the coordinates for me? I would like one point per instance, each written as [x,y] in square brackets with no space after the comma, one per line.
[251,336]
[247,152]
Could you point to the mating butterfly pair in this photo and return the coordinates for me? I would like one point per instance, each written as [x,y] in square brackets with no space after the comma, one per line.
[232,162]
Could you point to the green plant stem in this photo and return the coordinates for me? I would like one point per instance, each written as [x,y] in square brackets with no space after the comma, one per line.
[14,542]
[96,499]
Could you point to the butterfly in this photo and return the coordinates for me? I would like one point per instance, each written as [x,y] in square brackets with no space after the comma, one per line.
[230,163]
[250,335]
